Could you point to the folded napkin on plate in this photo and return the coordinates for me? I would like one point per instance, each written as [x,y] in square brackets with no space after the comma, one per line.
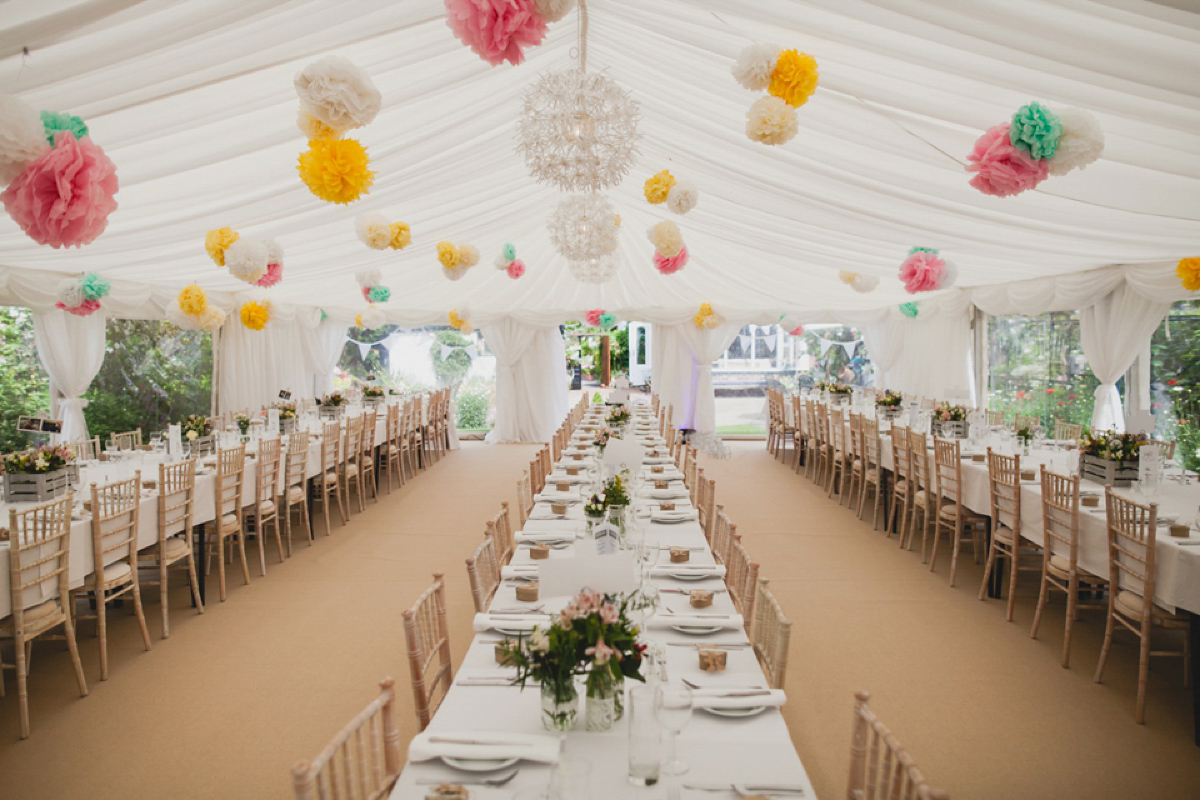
[668,474]
[545,536]
[518,571]
[674,516]
[544,514]
[667,570]
[735,698]
[657,460]
[509,622]
[554,496]
[484,745]
[667,494]
[561,476]
[699,620]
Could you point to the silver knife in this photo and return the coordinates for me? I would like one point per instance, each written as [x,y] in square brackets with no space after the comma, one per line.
[456,740]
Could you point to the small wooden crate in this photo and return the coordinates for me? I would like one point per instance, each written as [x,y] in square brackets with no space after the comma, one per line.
[201,445]
[1106,472]
[374,402]
[331,412]
[287,426]
[950,428]
[20,487]
[888,412]
[839,400]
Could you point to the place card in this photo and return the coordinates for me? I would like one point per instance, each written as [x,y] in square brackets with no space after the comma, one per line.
[661,484]
[1179,530]
[563,486]
[666,506]
[657,470]
[572,471]
[1090,500]
[502,648]
[558,508]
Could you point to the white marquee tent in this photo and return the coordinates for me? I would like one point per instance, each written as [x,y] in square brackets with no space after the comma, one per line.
[195,104]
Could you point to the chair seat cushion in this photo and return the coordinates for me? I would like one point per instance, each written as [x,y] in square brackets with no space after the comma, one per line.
[968,516]
[1060,566]
[175,547]
[40,611]
[119,571]
[873,474]
[266,508]
[351,470]
[295,494]
[1131,605]
[331,477]
[229,522]
[1003,534]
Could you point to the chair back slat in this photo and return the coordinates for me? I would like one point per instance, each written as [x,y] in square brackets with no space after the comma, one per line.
[295,464]
[39,553]
[427,635]
[176,498]
[771,634]
[1131,537]
[115,508]
[901,455]
[880,767]
[483,571]
[1067,431]
[500,529]
[1060,515]
[228,486]
[741,579]
[267,470]
[86,449]
[129,440]
[946,456]
[1004,486]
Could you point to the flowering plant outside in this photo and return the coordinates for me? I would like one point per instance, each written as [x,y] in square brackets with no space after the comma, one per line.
[1112,446]
[45,458]
[890,399]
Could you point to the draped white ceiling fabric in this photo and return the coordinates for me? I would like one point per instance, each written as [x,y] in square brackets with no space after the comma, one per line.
[194,103]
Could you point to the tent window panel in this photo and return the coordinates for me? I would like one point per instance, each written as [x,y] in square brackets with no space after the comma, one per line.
[1175,381]
[1037,368]
[24,385]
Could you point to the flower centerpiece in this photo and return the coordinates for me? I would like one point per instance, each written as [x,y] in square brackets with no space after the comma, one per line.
[287,417]
[40,474]
[243,423]
[618,416]
[1109,457]
[889,404]
[600,438]
[616,494]
[595,507]
[949,421]
[373,395]
[197,434]
[333,405]
[591,636]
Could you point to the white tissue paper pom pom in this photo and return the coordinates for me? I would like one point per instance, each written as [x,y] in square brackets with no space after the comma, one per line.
[247,259]
[666,238]
[372,318]
[682,197]
[501,262]
[553,10]
[22,137]
[367,278]
[374,230]
[70,293]
[468,255]
[274,251]
[212,318]
[755,65]
[771,121]
[949,274]
[1081,142]
[176,316]
[338,93]
[864,283]
[456,273]
[313,128]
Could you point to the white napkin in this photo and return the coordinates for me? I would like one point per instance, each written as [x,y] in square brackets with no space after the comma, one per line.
[509,571]
[545,536]
[674,516]
[711,698]
[491,745]
[563,477]
[658,460]
[667,494]
[510,622]
[555,496]
[667,570]
[699,620]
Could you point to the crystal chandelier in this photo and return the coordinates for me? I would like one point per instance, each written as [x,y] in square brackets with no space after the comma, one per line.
[584,227]
[578,129]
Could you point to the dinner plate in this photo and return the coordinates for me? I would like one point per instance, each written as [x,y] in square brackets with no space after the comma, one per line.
[512,631]
[692,576]
[750,711]
[670,520]
[479,764]
[696,630]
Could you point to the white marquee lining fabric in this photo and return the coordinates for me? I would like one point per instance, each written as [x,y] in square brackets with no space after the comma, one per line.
[194,102]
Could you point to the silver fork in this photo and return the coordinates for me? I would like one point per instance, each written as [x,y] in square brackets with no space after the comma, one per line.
[499,780]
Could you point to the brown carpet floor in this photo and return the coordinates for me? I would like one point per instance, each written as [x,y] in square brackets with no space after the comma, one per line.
[224,707]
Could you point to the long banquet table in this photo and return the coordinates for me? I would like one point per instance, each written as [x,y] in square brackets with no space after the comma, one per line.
[721,750]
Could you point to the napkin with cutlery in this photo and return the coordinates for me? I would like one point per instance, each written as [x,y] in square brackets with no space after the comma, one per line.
[698,620]
[668,474]
[510,571]
[555,496]
[668,570]
[657,515]
[547,537]
[484,745]
[669,493]
[737,698]
[509,622]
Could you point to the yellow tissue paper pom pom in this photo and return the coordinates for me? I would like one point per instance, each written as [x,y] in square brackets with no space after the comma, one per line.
[455,320]
[336,170]
[193,300]
[705,309]
[617,220]
[1188,271]
[313,128]
[658,186]
[255,315]
[217,241]
[794,78]
[401,236]
[447,255]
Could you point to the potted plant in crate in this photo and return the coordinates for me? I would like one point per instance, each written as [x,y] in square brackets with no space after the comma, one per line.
[332,405]
[287,418]
[373,396]
[949,421]
[889,405]
[39,475]
[1109,457]
[198,436]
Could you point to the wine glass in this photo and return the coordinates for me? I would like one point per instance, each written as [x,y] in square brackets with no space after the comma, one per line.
[673,705]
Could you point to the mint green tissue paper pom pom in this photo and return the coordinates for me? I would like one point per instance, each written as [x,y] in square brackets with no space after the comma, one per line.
[510,252]
[909,310]
[55,121]
[94,287]
[379,294]
[1035,129]
[324,316]
[923,250]
[608,320]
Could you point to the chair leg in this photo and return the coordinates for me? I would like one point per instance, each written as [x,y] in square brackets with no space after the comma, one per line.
[73,648]
[1013,571]
[140,612]
[221,561]
[195,581]
[1043,593]
[260,533]
[1072,602]
[22,691]
[1108,634]
[163,577]
[102,631]
[241,540]
[957,543]
[1143,669]
[933,550]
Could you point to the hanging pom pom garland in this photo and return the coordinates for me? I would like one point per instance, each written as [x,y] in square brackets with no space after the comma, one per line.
[497,30]
[1016,156]
[1035,130]
[370,281]
[22,137]
[217,241]
[790,79]
[247,260]
[1081,142]
[313,128]
[378,233]
[755,66]
[1188,270]
[666,238]
[771,121]
[456,259]
[657,186]
[797,331]
[706,318]
[191,311]
[599,318]
[864,283]
[924,270]
[256,261]
[794,78]
[671,264]
[909,310]
[460,320]
[192,300]
[81,296]
[553,10]
[371,318]
[55,121]
[508,262]
[274,264]
[336,170]
[338,94]
[846,277]
[255,315]
[682,197]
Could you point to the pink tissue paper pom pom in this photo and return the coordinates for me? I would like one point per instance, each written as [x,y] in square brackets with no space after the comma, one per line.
[796,331]
[274,275]
[593,317]
[516,268]
[1002,169]
[922,272]
[496,29]
[366,290]
[673,264]
[84,309]
[64,198]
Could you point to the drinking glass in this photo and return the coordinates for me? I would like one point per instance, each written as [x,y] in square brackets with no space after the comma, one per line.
[572,780]
[645,737]
[673,707]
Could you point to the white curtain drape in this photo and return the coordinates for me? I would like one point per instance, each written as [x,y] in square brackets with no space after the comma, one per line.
[531,384]
[935,360]
[1113,331]
[323,347]
[683,357]
[885,343]
[256,365]
[71,349]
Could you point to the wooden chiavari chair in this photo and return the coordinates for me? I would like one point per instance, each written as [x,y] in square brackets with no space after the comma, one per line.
[174,549]
[928,403]
[86,449]
[295,488]
[500,529]
[428,425]
[1066,431]
[880,767]
[822,469]
[773,422]
[39,561]
[723,535]
[1023,421]
[839,453]
[800,435]
[691,473]
[741,579]
[115,514]
[483,571]
[130,440]
[952,515]
[524,498]
[366,464]
[812,441]
[428,638]
[770,635]
[389,461]
[351,471]
[1132,532]
[706,504]
[1004,488]
[362,762]
[872,476]
[410,438]
[995,419]
[924,498]
[264,512]
[902,484]
[329,482]
[228,524]
[1060,526]
[855,462]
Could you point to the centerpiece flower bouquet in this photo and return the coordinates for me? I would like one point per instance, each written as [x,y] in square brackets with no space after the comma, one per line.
[45,458]
[373,393]
[889,399]
[286,410]
[195,426]
[618,416]
[1112,446]
[243,423]
[601,437]
[616,491]
[834,387]
[334,399]
[595,506]
[945,412]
